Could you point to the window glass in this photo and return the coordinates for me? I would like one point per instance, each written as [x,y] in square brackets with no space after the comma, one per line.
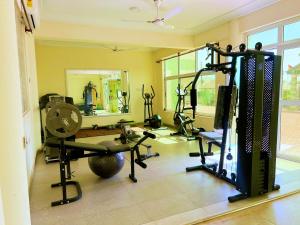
[267,37]
[290,135]
[187,63]
[238,71]
[206,94]
[184,82]
[201,58]
[291,74]
[171,67]
[291,31]
[171,96]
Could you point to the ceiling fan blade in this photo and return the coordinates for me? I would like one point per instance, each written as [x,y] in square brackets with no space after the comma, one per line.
[172,13]
[136,21]
[162,24]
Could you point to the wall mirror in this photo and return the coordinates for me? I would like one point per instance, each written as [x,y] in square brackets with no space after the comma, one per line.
[99,92]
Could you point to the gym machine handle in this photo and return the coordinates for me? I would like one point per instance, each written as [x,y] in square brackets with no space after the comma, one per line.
[143,92]
[150,135]
[143,89]
[153,93]
[242,52]
[185,89]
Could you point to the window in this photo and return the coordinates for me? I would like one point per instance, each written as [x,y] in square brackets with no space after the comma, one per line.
[292,31]
[171,67]
[184,82]
[187,63]
[266,37]
[206,94]
[181,70]
[201,58]
[284,39]
[291,74]
[171,86]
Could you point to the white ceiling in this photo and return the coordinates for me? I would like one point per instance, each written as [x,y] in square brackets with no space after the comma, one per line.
[196,15]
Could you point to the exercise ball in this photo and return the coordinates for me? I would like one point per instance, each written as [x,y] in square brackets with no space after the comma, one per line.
[108,165]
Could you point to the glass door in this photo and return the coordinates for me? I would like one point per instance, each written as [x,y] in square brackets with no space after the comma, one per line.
[284,39]
[290,104]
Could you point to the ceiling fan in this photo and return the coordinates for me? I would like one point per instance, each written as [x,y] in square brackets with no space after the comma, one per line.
[117,49]
[160,21]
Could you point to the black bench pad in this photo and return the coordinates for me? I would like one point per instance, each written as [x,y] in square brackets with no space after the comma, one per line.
[88,147]
[211,136]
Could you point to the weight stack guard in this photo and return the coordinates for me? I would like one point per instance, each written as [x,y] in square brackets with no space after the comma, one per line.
[257,124]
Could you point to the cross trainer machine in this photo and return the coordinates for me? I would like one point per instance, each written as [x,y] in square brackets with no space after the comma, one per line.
[256,123]
[64,120]
[182,122]
[90,95]
[153,121]
[124,99]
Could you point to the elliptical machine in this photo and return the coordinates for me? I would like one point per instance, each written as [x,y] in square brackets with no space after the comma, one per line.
[182,122]
[124,100]
[153,121]
[89,95]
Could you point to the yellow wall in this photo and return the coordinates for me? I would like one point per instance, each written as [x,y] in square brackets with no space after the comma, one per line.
[52,61]
[95,34]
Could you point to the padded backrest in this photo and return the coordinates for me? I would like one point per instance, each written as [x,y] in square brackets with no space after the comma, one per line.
[45,99]
[219,114]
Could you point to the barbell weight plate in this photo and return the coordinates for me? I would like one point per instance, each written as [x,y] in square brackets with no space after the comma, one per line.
[63,120]
[49,105]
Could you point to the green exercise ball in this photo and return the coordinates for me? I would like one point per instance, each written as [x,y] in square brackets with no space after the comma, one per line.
[108,165]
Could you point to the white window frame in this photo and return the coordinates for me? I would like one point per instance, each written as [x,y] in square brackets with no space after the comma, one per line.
[281,46]
[181,76]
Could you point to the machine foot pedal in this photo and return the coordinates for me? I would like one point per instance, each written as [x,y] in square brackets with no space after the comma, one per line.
[194,154]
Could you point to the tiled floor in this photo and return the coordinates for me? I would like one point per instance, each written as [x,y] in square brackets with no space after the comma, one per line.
[164,189]
[282,212]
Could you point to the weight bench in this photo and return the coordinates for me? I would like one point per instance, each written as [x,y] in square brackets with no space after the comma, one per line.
[69,150]
[216,138]
[212,138]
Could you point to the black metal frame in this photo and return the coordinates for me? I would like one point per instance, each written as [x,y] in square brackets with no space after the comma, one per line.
[179,117]
[261,165]
[127,136]
[65,169]
[150,120]
[124,100]
[148,104]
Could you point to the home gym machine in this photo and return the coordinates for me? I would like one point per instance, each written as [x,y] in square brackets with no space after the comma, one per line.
[183,123]
[89,94]
[153,121]
[256,123]
[128,136]
[64,120]
[124,99]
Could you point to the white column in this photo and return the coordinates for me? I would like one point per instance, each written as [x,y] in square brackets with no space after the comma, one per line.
[13,178]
